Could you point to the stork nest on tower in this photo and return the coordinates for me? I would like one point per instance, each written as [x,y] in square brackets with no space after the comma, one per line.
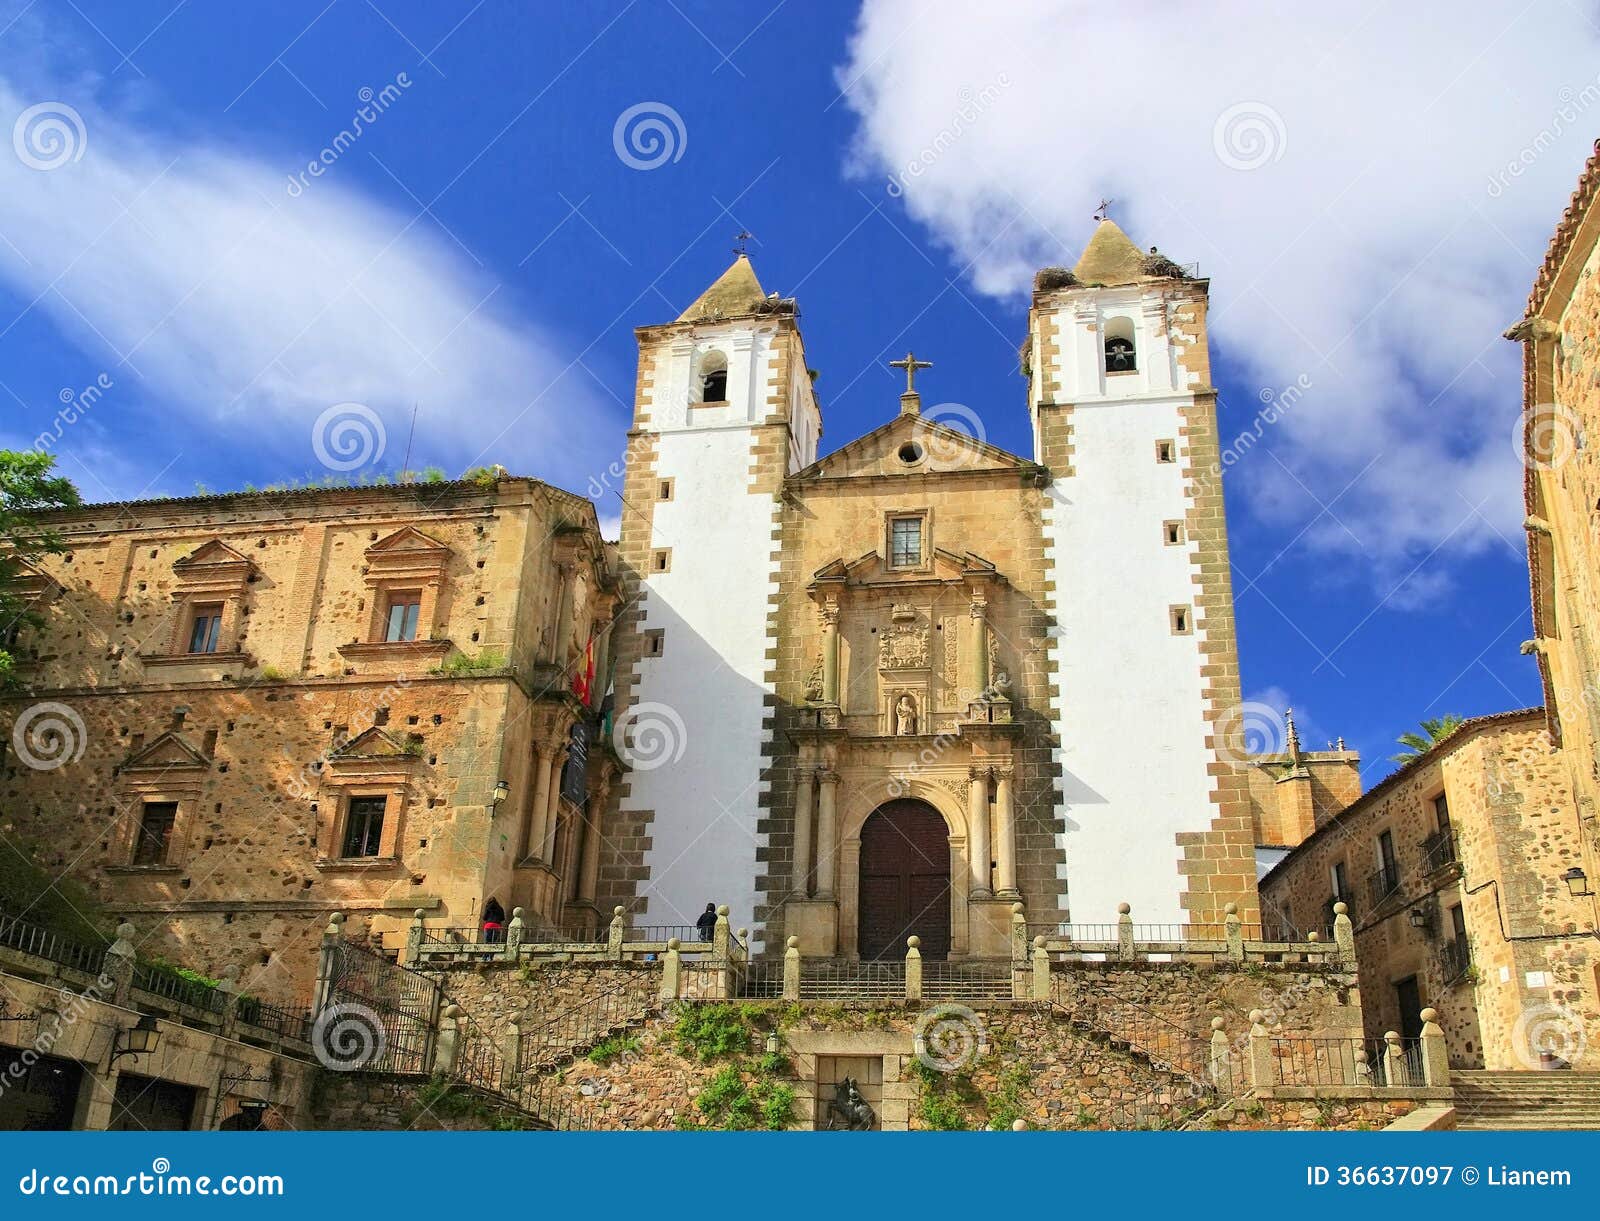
[1050,278]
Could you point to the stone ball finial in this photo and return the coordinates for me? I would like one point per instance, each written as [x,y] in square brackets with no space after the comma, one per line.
[794,943]
[1341,909]
[1216,1023]
[336,918]
[617,910]
[744,933]
[1016,909]
[1019,1125]
[516,913]
[1391,1036]
[722,909]
[126,931]
[452,1011]
[1123,909]
[1257,1017]
[913,941]
[1232,909]
[1038,942]
[1313,935]
[1430,1014]
[419,914]
[673,943]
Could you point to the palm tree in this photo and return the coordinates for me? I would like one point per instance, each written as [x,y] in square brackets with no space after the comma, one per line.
[1433,732]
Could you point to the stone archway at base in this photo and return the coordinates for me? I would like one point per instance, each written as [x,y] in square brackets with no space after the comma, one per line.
[905,881]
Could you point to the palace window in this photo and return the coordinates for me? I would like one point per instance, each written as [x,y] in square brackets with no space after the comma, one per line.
[405,610]
[905,542]
[205,625]
[156,820]
[363,827]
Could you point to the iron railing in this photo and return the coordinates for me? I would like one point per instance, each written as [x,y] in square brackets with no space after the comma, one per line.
[404,1003]
[954,981]
[762,981]
[1328,1062]
[846,979]
[1397,1071]
[1455,958]
[285,1023]
[1439,850]
[549,1100]
[664,933]
[28,938]
[1383,882]
[478,1060]
[581,1026]
[167,984]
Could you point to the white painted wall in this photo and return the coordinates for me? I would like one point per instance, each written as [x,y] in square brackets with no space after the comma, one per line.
[712,605]
[1130,714]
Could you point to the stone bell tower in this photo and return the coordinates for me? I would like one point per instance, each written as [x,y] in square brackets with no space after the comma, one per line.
[723,411]
[1153,808]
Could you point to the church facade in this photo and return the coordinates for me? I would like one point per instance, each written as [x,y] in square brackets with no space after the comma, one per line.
[898,688]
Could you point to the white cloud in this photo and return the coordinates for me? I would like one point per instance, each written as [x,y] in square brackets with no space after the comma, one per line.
[190,271]
[1368,251]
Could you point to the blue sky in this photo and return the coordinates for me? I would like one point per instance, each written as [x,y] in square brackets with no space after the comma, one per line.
[1369,193]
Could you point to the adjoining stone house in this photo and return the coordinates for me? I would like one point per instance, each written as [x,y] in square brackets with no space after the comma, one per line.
[1560,334]
[1453,870]
[245,711]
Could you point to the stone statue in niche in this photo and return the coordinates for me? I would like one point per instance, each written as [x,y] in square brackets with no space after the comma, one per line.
[905,716]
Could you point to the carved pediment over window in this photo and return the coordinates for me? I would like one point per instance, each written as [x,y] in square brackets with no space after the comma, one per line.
[373,744]
[171,752]
[213,568]
[407,554]
[903,643]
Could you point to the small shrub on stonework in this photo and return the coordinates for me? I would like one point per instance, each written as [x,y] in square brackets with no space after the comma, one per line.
[607,1050]
[709,1032]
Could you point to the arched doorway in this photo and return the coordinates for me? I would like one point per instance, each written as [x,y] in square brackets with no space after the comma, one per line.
[905,881]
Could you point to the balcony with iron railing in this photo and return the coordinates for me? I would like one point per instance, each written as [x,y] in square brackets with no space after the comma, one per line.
[1439,850]
[1383,883]
[1455,958]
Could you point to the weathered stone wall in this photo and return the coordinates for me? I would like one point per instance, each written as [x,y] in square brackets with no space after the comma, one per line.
[1311,1002]
[362,1102]
[498,993]
[1282,1115]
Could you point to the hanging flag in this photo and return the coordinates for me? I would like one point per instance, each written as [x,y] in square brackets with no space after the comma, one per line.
[583,675]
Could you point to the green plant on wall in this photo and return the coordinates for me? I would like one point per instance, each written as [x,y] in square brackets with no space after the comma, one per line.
[710,1032]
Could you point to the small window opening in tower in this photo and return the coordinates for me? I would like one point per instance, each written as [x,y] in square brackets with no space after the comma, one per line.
[1120,354]
[714,378]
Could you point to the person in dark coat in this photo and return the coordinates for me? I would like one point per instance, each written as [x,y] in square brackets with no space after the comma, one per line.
[494,922]
[706,926]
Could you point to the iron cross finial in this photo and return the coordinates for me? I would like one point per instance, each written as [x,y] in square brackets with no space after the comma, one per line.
[1103,212]
[739,240]
[911,364]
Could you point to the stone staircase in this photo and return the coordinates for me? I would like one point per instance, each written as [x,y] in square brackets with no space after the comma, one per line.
[1546,1101]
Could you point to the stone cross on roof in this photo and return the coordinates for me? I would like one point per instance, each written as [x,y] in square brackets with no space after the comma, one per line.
[911,364]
